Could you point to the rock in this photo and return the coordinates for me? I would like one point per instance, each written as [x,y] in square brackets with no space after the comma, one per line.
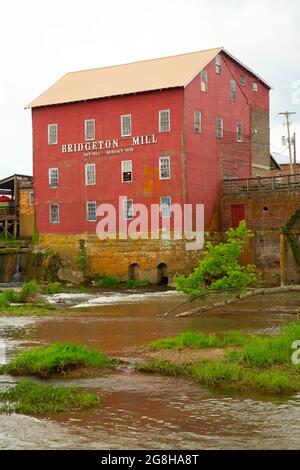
[68,275]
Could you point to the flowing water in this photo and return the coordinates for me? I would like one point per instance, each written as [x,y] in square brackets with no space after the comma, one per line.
[143,411]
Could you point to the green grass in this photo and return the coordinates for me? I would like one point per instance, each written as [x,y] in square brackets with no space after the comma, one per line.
[7,297]
[228,376]
[107,281]
[57,358]
[256,363]
[27,294]
[261,352]
[31,398]
[194,340]
[135,283]
[26,310]
[52,288]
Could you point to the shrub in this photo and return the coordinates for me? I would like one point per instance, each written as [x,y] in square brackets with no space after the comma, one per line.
[29,291]
[8,296]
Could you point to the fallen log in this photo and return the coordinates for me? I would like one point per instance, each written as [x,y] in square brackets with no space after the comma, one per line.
[202,295]
[239,298]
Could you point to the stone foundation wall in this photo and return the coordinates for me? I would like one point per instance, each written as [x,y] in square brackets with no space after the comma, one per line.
[114,257]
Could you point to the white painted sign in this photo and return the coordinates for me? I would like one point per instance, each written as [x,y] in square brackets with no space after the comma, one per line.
[111,146]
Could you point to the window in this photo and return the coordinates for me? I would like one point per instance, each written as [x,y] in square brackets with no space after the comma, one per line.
[90,174]
[203,81]
[91,209]
[255,86]
[243,80]
[89,129]
[218,64]
[239,132]
[126,125]
[197,122]
[53,177]
[164,168]
[220,128]
[128,209]
[31,198]
[164,120]
[165,207]
[127,171]
[54,214]
[52,134]
[232,90]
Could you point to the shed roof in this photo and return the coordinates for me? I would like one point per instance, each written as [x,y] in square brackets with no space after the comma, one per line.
[148,75]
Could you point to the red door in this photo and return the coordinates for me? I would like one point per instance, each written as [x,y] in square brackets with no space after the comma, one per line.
[237,214]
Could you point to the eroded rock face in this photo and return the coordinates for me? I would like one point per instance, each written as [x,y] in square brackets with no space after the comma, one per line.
[68,275]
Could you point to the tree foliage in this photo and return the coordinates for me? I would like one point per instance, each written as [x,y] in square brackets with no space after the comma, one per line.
[220,268]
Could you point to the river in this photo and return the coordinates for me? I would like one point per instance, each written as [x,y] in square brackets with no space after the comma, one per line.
[150,412]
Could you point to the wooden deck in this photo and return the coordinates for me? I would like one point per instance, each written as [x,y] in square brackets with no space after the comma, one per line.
[9,221]
[269,183]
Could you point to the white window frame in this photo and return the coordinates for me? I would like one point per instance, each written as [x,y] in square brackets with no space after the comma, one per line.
[243,80]
[163,206]
[233,90]
[125,209]
[88,213]
[197,122]
[124,117]
[161,160]
[31,198]
[50,214]
[161,123]
[218,64]
[204,82]
[87,166]
[255,86]
[239,135]
[220,120]
[50,134]
[86,129]
[50,174]
[124,163]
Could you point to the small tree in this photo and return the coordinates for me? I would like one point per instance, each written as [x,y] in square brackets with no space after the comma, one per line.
[220,268]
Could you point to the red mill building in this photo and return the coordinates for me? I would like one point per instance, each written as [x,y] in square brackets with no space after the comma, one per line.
[159,131]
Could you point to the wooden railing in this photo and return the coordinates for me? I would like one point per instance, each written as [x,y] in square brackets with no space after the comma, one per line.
[268,183]
[8,211]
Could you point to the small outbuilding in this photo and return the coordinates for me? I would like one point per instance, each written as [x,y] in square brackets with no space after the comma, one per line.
[16,207]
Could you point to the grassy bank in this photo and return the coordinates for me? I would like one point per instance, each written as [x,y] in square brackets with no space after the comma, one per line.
[57,359]
[250,362]
[26,310]
[31,398]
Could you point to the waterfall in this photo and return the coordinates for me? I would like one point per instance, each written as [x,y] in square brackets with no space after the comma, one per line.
[17,277]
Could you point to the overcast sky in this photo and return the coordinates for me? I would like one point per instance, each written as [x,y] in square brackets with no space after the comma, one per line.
[40,41]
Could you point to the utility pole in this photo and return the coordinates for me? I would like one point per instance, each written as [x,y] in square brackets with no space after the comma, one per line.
[295,159]
[287,115]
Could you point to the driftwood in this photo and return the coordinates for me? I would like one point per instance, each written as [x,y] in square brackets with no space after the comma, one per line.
[203,294]
[238,298]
